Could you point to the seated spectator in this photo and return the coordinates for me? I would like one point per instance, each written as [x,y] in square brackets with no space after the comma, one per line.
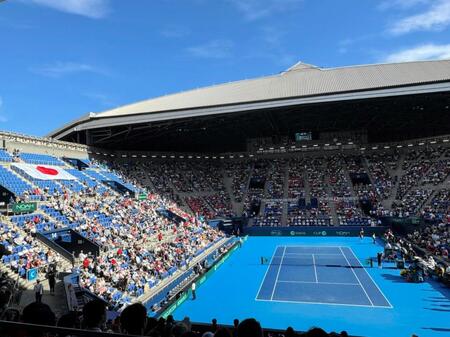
[133,319]
[40,314]
[69,320]
[222,332]
[250,327]
[94,315]
[316,332]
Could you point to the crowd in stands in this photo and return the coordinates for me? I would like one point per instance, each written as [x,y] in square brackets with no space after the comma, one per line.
[339,189]
[439,207]
[299,191]
[140,246]
[434,238]
[239,173]
[21,252]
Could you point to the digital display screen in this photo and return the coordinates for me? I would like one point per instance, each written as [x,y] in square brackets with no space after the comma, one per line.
[302,136]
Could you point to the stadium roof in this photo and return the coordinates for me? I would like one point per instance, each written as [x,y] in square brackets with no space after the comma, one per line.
[300,84]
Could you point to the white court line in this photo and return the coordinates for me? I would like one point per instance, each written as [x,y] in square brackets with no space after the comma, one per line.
[265,274]
[308,254]
[278,273]
[365,292]
[315,269]
[323,303]
[306,246]
[376,285]
[307,282]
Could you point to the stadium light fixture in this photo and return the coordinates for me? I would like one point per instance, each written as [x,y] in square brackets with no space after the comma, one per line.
[144,156]
[303,146]
[172,157]
[374,147]
[293,147]
[153,156]
[281,147]
[198,157]
[315,145]
[409,145]
[206,157]
[363,149]
[399,146]
[338,144]
[124,156]
[327,144]
[221,157]
[181,157]
[163,156]
[134,155]
[190,157]
[350,143]
[251,156]
[445,141]
[433,142]
[241,156]
[421,143]
[387,147]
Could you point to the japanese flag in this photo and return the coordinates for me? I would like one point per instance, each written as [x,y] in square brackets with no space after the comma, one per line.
[45,172]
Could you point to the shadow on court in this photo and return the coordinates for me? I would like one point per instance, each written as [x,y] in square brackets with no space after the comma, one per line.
[394,278]
[438,329]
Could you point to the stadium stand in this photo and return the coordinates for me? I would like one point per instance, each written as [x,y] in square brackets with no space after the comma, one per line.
[142,250]
[40,159]
[12,182]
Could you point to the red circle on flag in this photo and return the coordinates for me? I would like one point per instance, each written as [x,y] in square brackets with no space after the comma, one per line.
[47,170]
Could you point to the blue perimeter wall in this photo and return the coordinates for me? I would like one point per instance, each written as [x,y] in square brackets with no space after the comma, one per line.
[314,231]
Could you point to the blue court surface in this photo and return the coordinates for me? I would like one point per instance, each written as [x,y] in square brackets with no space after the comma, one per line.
[323,282]
[320,275]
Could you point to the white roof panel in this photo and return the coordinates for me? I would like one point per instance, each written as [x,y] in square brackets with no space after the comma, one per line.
[301,80]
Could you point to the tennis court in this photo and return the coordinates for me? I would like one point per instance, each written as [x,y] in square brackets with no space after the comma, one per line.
[242,287]
[319,275]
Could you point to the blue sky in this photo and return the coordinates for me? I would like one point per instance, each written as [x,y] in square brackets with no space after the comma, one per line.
[61,59]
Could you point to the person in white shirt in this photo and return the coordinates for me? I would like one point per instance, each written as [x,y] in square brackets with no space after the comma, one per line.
[193,288]
[38,291]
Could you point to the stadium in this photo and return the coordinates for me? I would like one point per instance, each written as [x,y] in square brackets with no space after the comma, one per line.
[316,197]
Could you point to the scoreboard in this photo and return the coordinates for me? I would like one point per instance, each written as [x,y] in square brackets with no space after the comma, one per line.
[302,136]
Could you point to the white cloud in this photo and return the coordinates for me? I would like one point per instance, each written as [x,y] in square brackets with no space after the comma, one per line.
[436,17]
[94,9]
[60,69]
[216,49]
[402,4]
[420,53]
[257,9]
